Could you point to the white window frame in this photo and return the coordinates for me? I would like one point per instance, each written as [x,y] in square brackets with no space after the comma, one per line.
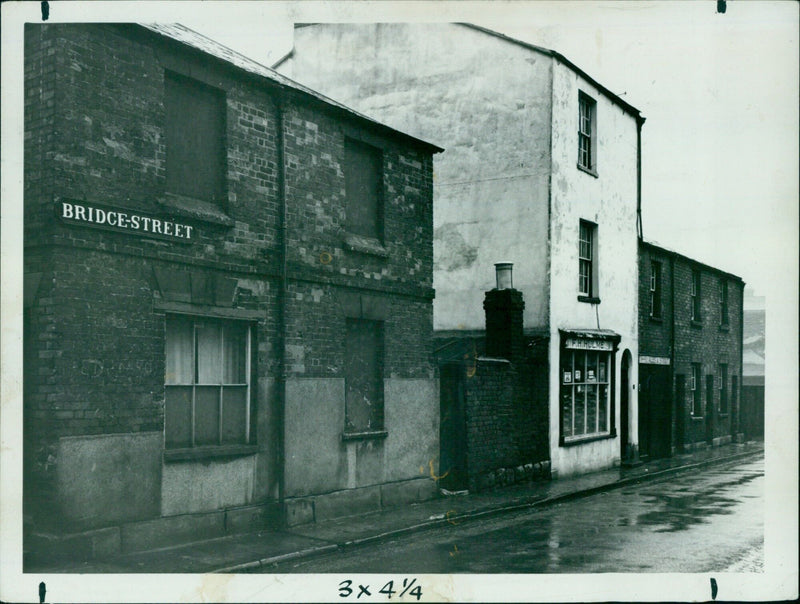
[655,288]
[587,259]
[695,295]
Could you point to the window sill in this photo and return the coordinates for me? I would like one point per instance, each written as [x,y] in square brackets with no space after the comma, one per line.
[696,323]
[656,319]
[588,439]
[697,418]
[589,171]
[196,209]
[366,435]
[193,453]
[721,414]
[589,299]
[364,245]
[725,327]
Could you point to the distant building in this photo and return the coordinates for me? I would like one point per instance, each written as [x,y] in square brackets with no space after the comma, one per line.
[690,353]
[228,296]
[753,369]
[542,170]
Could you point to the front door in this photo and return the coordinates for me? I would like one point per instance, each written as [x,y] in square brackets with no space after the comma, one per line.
[452,428]
[680,411]
[710,409]
[624,403]
[655,416]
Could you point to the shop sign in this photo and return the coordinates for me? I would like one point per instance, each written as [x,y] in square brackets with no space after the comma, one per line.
[581,344]
[123,220]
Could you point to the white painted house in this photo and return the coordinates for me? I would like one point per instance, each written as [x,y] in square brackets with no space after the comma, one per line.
[542,169]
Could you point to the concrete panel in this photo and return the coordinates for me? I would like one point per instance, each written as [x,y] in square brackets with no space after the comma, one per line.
[315,454]
[140,536]
[299,511]
[412,420]
[202,486]
[266,479]
[351,502]
[408,491]
[109,478]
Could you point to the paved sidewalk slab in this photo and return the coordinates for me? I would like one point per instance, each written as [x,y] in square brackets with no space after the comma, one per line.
[262,549]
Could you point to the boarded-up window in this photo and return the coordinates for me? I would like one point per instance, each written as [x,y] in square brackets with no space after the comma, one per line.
[207,385]
[195,141]
[363,174]
[364,376]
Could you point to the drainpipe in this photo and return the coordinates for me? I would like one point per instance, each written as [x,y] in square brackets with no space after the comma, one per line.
[282,297]
[639,124]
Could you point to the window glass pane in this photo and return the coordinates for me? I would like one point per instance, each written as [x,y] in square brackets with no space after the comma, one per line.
[566,406]
[178,416]
[235,354]
[234,414]
[591,367]
[180,355]
[591,408]
[580,367]
[602,411]
[580,409]
[209,353]
[206,415]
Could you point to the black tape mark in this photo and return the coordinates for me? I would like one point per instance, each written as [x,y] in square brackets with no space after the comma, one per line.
[45,10]
[713,588]
[42,586]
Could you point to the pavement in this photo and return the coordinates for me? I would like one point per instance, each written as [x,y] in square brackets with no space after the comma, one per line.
[264,550]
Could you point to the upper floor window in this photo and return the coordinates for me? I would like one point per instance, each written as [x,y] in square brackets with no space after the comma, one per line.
[723,301]
[587,128]
[587,260]
[195,138]
[655,290]
[695,295]
[363,175]
[207,383]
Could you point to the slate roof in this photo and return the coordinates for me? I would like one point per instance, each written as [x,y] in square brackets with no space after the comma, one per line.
[197,41]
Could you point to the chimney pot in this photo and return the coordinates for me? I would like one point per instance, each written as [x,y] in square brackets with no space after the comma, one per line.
[503,275]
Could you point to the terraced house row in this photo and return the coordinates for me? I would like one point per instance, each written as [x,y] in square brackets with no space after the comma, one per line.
[241,310]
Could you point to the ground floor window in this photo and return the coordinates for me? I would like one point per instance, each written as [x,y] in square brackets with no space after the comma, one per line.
[585,393]
[207,384]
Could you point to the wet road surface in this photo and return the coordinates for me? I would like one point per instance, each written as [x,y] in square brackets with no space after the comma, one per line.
[699,521]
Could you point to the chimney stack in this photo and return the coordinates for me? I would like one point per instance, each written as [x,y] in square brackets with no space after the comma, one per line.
[504,306]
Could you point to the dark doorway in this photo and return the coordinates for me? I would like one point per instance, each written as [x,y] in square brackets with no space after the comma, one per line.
[655,411]
[710,409]
[624,404]
[452,428]
[680,412]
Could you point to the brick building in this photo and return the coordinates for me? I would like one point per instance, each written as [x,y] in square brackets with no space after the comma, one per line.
[690,353]
[542,170]
[228,295]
